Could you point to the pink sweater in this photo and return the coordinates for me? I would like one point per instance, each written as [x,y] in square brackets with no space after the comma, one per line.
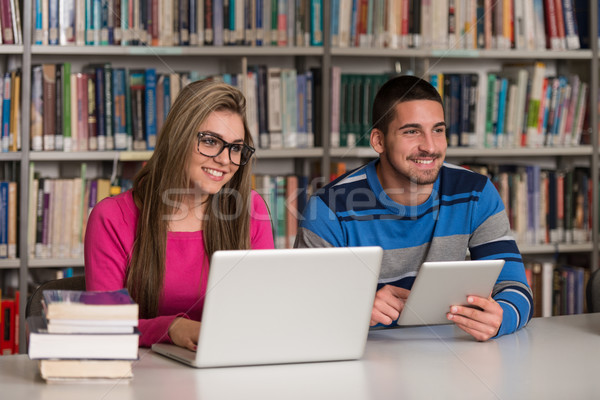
[109,238]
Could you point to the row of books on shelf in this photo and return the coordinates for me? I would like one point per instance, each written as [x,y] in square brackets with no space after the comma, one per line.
[10,22]
[286,197]
[9,322]
[461,24]
[544,206]
[179,22]
[58,212]
[100,108]
[106,108]
[85,335]
[521,108]
[558,289]
[525,108]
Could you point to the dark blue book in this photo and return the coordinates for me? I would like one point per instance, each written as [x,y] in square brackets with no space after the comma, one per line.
[150,108]
[100,107]
[167,94]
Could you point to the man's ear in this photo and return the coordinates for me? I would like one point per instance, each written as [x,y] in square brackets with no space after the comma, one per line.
[377,140]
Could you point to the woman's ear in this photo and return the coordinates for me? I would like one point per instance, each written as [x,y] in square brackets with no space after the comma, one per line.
[377,140]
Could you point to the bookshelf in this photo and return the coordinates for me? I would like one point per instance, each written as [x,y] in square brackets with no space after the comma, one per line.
[323,57]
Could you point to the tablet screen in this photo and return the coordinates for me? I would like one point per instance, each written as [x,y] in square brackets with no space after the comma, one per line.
[440,284]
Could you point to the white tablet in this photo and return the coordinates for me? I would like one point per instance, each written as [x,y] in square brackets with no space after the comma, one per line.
[441,284]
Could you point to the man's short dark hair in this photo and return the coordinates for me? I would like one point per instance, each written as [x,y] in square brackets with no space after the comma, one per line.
[399,90]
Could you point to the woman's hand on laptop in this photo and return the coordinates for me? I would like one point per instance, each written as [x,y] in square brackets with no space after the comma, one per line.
[481,318]
[184,333]
[388,304]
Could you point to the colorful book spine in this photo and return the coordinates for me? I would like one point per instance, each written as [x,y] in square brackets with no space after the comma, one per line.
[58,101]
[82,112]
[14,141]
[100,106]
[4,219]
[6,21]
[109,107]
[316,23]
[5,120]
[120,110]
[92,122]
[150,108]
[38,27]
[66,106]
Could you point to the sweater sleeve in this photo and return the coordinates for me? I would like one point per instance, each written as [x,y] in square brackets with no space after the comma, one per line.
[492,239]
[109,238]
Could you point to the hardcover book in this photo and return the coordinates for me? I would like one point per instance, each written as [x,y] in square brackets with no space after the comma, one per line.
[102,346]
[77,369]
[90,305]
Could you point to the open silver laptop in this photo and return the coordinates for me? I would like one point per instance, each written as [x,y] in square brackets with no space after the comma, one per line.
[284,306]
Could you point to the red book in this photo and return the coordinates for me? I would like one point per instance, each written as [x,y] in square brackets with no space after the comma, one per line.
[6,21]
[552,41]
[560,24]
[8,322]
[16,324]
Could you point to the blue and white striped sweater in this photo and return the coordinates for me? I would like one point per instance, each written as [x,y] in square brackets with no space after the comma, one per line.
[463,215]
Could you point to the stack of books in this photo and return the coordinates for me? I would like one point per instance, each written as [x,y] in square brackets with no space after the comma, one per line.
[85,335]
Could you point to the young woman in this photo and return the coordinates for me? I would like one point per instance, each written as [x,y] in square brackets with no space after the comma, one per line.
[192,198]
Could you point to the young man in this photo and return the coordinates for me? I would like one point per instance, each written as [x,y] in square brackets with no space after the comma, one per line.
[418,209]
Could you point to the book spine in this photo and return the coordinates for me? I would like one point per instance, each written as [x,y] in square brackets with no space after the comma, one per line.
[39,222]
[82,112]
[100,105]
[31,210]
[117,30]
[208,22]
[15,112]
[184,22]
[4,219]
[274,112]
[66,106]
[108,107]
[193,22]
[571,31]
[150,108]
[49,105]
[120,110]
[7,309]
[316,23]
[38,28]
[58,132]
[218,24]
[6,21]
[67,22]
[92,123]
[137,109]
[6,107]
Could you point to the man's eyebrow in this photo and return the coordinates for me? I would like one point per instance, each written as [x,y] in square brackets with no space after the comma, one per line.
[419,126]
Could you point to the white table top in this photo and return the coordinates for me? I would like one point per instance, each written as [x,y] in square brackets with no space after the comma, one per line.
[552,358]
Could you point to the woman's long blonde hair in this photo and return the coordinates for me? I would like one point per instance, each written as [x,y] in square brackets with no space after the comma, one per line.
[159,187]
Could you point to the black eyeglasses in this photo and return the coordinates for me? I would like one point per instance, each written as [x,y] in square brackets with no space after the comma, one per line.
[210,145]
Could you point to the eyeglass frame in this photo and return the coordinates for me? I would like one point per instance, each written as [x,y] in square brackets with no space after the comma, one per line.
[226,145]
